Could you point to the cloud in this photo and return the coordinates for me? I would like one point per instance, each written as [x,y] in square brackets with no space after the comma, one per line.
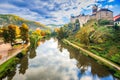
[48,11]
[45,11]
[109,6]
[110,0]
[50,64]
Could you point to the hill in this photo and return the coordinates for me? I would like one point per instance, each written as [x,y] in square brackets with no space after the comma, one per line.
[6,19]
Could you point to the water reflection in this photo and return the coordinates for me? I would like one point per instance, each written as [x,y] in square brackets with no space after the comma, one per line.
[10,74]
[23,64]
[84,62]
[53,60]
[32,53]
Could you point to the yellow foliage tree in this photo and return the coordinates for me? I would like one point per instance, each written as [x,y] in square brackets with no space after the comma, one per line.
[84,34]
[57,29]
[24,29]
[38,31]
[17,31]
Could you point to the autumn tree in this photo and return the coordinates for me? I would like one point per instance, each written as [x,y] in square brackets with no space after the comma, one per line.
[17,32]
[12,33]
[24,32]
[37,32]
[43,33]
[5,34]
[1,32]
[84,35]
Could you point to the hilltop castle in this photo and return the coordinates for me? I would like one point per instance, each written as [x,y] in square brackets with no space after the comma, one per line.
[103,13]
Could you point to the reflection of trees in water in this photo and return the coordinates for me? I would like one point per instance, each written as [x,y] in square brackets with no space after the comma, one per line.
[32,49]
[23,64]
[11,74]
[84,62]
[32,53]
[23,61]
[60,46]
[42,41]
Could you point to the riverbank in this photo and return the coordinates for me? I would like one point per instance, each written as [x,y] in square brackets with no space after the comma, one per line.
[13,52]
[101,59]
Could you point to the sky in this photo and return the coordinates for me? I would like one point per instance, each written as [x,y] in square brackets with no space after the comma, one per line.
[54,11]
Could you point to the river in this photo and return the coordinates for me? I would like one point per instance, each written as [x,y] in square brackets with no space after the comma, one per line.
[52,60]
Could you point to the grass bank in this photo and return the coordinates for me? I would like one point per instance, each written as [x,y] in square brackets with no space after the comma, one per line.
[9,64]
[106,62]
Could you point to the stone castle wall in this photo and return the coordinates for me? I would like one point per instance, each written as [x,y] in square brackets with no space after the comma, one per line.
[82,19]
[107,15]
[101,14]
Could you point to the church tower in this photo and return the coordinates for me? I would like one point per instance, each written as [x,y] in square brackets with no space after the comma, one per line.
[94,9]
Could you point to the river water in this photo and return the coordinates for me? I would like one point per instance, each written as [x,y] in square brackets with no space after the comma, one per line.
[52,60]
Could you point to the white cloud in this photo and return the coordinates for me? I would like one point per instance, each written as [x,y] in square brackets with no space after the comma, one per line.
[38,10]
[86,78]
[7,6]
[109,6]
[110,0]
[62,13]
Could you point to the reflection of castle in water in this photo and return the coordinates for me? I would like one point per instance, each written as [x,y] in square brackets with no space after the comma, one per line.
[103,13]
[85,62]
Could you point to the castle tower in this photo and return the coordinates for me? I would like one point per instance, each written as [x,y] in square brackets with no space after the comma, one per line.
[94,9]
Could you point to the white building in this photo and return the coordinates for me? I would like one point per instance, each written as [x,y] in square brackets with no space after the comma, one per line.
[117,20]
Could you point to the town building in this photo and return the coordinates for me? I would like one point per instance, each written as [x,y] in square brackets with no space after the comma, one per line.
[117,20]
[102,13]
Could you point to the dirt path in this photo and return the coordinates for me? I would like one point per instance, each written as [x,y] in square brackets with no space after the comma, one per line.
[7,54]
[103,60]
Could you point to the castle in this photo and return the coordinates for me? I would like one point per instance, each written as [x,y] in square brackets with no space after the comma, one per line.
[103,13]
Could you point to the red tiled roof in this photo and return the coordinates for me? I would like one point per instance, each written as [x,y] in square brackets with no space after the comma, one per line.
[116,17]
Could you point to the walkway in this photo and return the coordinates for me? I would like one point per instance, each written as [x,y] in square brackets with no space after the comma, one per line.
[8,54]
[103,60]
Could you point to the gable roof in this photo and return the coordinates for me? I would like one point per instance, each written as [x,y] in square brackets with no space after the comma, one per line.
[117,17]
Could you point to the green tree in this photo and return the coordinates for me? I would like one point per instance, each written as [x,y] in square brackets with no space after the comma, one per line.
[61,33]
[24,30]
[12,33]
[116,27]
[5,34]
[77,25]
[101,35]
[103,22]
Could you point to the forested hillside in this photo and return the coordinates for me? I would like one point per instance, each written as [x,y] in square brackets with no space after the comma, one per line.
[7,19]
